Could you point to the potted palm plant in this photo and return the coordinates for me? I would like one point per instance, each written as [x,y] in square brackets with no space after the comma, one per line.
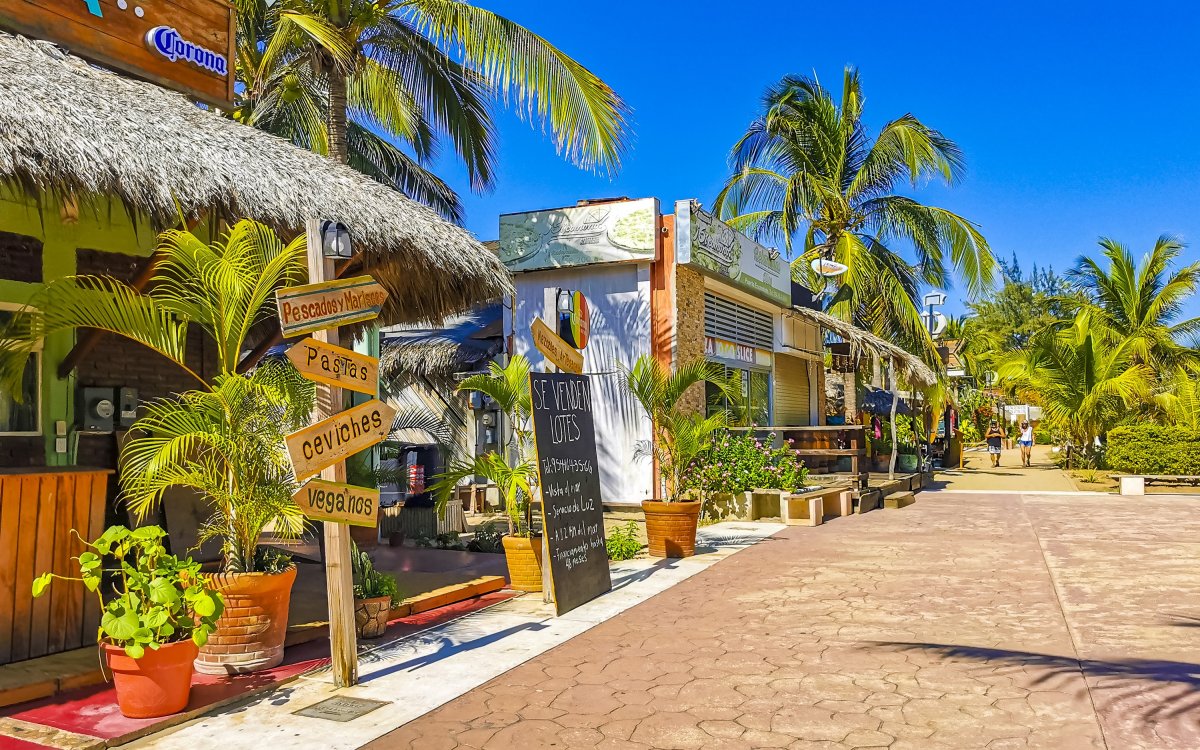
[513,471]
[375,593]
[680,436]
[224,439]
[158,610]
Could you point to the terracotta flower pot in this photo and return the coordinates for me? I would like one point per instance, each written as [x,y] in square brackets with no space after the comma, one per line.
[524,558]
[251,630]
[371,616]
[671,528]
[158,684]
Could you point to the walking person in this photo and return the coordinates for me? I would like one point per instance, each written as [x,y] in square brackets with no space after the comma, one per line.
[995,442]
[1026,443]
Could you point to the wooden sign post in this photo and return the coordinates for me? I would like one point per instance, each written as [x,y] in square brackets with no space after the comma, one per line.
[572,510]
[319,308]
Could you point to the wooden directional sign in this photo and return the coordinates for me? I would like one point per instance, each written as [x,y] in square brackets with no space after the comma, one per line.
[334,439]
[342,503]
[563,355]
[315,307]
[333,365]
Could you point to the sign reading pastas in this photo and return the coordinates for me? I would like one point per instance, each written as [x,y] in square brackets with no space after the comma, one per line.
[573,516]
[334,365]
[341,503]
[334,439]
[561,354]
[315,307]
[182,44]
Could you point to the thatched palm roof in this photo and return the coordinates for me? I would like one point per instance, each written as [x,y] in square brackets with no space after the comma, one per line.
[907,365]
[461,344]
[68,128]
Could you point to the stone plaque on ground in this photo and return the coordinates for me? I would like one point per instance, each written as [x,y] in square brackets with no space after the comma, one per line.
[341,708]
[573,516]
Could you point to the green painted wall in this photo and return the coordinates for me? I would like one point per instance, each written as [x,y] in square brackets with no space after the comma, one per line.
[101,226]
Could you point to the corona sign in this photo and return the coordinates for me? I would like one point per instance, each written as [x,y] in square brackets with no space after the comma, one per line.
[574,323]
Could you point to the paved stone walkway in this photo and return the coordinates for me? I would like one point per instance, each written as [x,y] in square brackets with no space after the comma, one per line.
[964,621]
[978,473]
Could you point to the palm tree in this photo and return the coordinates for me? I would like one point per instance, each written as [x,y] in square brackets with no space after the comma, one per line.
[1178,399]
[807,168]
[680,433]
[508,386]
[1140,301]
[225,437]
[1086,383]
[370,82]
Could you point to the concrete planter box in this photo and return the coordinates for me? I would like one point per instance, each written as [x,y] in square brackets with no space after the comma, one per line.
[723,506]
[766,504]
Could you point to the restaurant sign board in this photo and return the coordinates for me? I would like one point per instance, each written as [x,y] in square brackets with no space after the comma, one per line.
[338,437]
[187,45]
[315,307]
[561,354]
[714,248]
[341,503]
[335,365]
[616,231]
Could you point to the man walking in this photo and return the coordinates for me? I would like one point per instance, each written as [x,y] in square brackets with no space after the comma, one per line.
[995,442]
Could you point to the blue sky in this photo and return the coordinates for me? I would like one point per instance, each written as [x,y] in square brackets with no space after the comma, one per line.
[1077,119]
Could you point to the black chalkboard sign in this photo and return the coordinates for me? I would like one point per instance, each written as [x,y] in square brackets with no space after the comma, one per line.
[573,517]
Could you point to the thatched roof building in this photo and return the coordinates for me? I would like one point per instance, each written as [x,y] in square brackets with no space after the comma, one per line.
[908,366]
[71,129]
[463,343]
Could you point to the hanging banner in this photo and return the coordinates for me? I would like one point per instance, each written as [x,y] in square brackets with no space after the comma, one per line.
[187,45]
[334,365]
[340,503]
[572,511]
[315,307]
[338,437]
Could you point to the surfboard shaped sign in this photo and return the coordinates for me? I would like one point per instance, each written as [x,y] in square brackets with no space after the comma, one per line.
[334,439]
[340,503]
[334,365]
[315,307]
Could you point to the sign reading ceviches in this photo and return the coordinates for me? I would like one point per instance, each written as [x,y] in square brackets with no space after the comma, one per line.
[338,437]
[573,517]
[186,45]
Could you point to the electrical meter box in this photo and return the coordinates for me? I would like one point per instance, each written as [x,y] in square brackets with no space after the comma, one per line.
[97,409]
[127,405]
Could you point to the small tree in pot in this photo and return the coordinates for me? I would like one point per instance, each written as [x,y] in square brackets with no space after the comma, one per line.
[224,439]
[158,610]
[681,436]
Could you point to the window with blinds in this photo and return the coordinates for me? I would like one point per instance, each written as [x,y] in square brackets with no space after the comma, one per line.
[730,321]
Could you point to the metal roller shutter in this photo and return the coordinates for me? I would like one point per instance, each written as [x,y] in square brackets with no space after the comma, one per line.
[791,392]
[730,321]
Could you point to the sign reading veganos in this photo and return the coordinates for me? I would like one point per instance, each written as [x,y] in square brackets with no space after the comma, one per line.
[341,503]
[186,45]
[713,247]
[611,232]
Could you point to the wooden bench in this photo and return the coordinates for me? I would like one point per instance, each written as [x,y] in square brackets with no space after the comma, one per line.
[1135,484]
[899,500]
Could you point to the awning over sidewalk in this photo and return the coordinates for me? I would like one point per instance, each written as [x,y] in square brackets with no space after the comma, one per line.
[908,366]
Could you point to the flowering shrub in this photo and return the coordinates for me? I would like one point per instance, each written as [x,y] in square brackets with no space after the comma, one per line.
[740,462]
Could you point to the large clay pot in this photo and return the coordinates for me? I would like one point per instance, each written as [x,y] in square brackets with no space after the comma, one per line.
[371,616]
[524,558]
[251,630]
[158,684]
[671,528]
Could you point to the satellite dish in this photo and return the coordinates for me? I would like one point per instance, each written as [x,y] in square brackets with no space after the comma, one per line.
[828,268]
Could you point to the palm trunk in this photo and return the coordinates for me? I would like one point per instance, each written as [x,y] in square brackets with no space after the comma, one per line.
[336,118]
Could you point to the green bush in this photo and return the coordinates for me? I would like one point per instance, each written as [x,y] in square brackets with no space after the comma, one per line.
[1043,437]
[1150,449]
[740,462]
[622,543]
[487,539]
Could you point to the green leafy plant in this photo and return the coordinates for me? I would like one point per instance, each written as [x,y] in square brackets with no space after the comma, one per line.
[486,539]
[449,540]
[623,542]
[155,598]
[370,583]
[1153,449]
[740,462]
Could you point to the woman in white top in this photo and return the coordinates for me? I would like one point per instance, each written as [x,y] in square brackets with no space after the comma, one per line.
[1026,442]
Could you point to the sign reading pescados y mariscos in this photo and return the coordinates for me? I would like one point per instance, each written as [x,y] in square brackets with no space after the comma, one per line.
[338,437]
[315,307]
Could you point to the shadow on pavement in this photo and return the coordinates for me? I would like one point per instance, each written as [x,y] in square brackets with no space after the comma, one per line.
[446,647]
